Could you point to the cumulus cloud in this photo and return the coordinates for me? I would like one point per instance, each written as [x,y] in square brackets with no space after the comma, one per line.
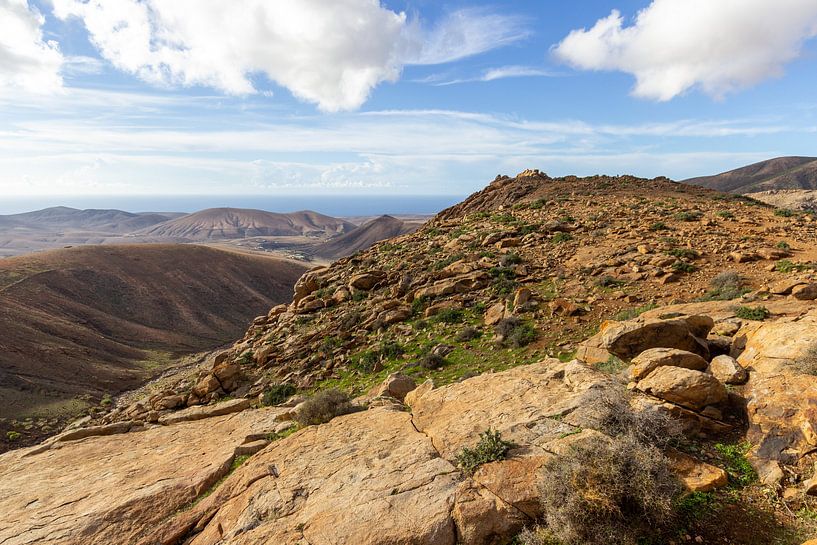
[331,53]
[675,45]
[27,62]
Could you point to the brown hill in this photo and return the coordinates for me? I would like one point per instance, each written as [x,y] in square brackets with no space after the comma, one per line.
[65,218]
[779,173]
[363,237]
[101,319]
[230,223]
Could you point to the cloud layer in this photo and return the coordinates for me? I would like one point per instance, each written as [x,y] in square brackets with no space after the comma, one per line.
[27,62]
[329,53]
[675,45]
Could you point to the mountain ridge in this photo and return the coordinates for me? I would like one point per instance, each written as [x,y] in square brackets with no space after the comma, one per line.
[792,172]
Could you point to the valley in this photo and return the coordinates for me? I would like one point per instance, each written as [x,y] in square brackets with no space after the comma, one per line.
[83,324]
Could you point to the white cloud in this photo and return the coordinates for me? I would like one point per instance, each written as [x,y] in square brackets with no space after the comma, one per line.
[514,72]
[460,34]
[331,53]
[675,45]
[27,62]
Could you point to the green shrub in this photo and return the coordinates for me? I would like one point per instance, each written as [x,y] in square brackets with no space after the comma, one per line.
[391,349]
[741,473]
[683,267]
[277,394]
[504,280]
[561,237]
[783,245]
[245,358]
[726,286]
[688,216]
[510,259]
[658,226]
[684,253]
[515,332]
[630,313]
[758,313]
[451,315]
[431,361]
[489,448]
[786,266]
[613,365]
[323,407]
[12,435]
[784,212]
[418,305]
[725,214]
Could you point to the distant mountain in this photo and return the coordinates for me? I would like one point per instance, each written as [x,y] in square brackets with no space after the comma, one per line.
[231,223]
[97,319]
[62,218]
[779,173]
[363,237]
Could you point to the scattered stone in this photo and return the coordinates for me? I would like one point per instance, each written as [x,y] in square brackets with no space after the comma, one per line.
[686,387]
[727,370]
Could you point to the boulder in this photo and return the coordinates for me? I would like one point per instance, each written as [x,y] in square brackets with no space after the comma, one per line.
[785,286]
[727,370]
[395,385]
[805,292]
[396,315]
[649,360]
[686,387]
[696,476]
[628,339]
[494,314]
[458,284]
[521,297]
[366,281]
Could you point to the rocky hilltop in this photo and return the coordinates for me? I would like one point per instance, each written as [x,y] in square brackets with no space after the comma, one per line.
[450,386]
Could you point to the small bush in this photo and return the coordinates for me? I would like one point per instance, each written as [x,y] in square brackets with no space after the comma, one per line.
[323,407]
[489,448]
[605,492]
[613,365]
[451,315]
[278,393]
[515,332]
[504,280]
[786,266]
[245,358]
[468,334]
[609,282]
[688,216]
[726,214]
[783,245]
[12,435]
[431,361]
[536,536]
[758,313]
[784,212]
[807,364]
[726,286]
[510,259]
[683,267]
[560,237]
[684,253]
[391,349]
[741,473]
[630,313]
[658,226]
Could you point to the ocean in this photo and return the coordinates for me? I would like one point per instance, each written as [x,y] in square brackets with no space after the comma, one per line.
[331,205]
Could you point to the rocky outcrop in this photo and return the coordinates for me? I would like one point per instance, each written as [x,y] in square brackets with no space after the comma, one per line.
[117,488]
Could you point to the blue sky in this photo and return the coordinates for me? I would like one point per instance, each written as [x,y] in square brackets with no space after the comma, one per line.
[347,97]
